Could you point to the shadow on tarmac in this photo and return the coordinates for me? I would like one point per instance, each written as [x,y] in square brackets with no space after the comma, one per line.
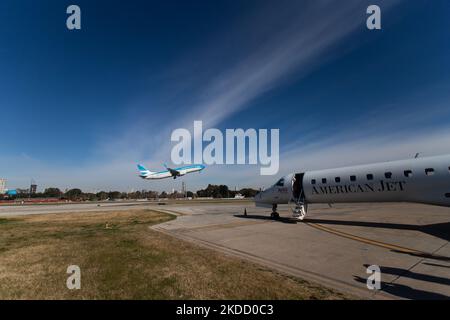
[404,291]
[440,230]
[280,219]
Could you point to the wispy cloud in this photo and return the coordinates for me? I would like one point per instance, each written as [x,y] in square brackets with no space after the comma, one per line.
[295,46]
[288,41]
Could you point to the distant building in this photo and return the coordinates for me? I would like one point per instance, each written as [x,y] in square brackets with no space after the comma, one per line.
[2,186]
[33,188]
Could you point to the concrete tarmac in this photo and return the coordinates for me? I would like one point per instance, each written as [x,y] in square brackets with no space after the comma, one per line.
[334,245]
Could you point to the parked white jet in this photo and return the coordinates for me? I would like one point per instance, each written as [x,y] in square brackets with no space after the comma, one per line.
[421,180]
[144,173]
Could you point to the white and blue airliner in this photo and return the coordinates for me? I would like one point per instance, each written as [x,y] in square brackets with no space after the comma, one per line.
[144,173]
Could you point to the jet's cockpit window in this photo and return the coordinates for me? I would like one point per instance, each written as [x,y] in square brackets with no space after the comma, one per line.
[280,183]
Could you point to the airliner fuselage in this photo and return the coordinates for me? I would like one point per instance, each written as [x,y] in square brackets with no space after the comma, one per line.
[421,180]
[144,173]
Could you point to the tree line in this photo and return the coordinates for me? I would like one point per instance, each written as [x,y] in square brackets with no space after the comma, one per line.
[76,194]
[222,191]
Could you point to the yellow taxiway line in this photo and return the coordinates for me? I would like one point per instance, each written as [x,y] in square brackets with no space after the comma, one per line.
[366,240]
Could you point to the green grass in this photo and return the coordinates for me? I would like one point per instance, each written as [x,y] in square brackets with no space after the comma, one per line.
[121,258]
[4,221]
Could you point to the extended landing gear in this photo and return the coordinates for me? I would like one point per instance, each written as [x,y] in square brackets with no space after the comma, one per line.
[274,214]
[298,212]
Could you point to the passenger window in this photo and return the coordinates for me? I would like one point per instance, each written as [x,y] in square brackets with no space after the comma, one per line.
[324,180]
[388,175]
[337,179]
[280,182]
[429,171]
[352,178]
[370,176]
[447,195]
[407,173]
[313,181]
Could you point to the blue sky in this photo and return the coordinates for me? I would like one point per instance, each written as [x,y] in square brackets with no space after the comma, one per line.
[81,108]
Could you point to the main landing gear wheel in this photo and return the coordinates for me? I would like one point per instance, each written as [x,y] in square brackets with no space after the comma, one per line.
[275,215]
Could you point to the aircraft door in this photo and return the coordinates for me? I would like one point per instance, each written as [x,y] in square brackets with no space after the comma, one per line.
[297,187]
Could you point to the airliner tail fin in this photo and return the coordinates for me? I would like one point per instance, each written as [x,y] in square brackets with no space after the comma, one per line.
[141,167]
[143,171]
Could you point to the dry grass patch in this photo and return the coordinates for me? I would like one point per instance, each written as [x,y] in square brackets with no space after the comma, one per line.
[121,258]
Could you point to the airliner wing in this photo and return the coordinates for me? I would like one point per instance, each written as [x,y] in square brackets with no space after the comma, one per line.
[174,172]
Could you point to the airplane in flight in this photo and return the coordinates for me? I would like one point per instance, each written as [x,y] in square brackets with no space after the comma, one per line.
[144,173]
[420,180]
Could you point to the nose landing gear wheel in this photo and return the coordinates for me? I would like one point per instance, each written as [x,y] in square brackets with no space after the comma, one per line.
[274,214]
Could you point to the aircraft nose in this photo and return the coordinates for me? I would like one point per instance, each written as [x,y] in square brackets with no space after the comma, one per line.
[260,198]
